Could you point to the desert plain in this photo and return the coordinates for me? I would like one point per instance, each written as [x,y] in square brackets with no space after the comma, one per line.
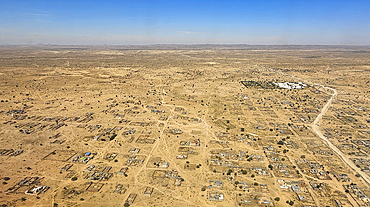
[184,125]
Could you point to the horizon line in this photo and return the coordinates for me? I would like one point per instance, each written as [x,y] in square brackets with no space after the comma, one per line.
[180,44]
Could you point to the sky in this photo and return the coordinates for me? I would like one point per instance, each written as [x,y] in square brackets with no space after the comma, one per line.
[141,22]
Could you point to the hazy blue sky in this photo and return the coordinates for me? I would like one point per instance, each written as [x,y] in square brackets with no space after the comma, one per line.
[185,22]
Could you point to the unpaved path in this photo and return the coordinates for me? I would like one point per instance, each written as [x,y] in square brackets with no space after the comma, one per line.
[315,128]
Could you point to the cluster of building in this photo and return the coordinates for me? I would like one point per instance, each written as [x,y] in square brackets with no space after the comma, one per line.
[135,160]
[121,189]
[85,158]
[26,183]
[192,143]
[185,151]
[36,190]
[357,194]
[10,152]
[248,199]
[110,156]
[343,178]
[298,187]
[168,174]
[239,155]
[216,196]
[313,168]
[100,172]
[288,85]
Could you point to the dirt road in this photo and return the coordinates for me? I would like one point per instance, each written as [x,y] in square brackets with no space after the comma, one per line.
[315,128]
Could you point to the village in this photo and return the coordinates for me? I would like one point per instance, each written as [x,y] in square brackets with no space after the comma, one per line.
[180,131]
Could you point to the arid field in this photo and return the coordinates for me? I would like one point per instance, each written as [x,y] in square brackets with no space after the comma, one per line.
[177,125]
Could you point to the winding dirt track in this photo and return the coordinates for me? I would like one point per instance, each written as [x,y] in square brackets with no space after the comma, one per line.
[315,128]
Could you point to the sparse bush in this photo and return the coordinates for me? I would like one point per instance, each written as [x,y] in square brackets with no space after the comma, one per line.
[112,137]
